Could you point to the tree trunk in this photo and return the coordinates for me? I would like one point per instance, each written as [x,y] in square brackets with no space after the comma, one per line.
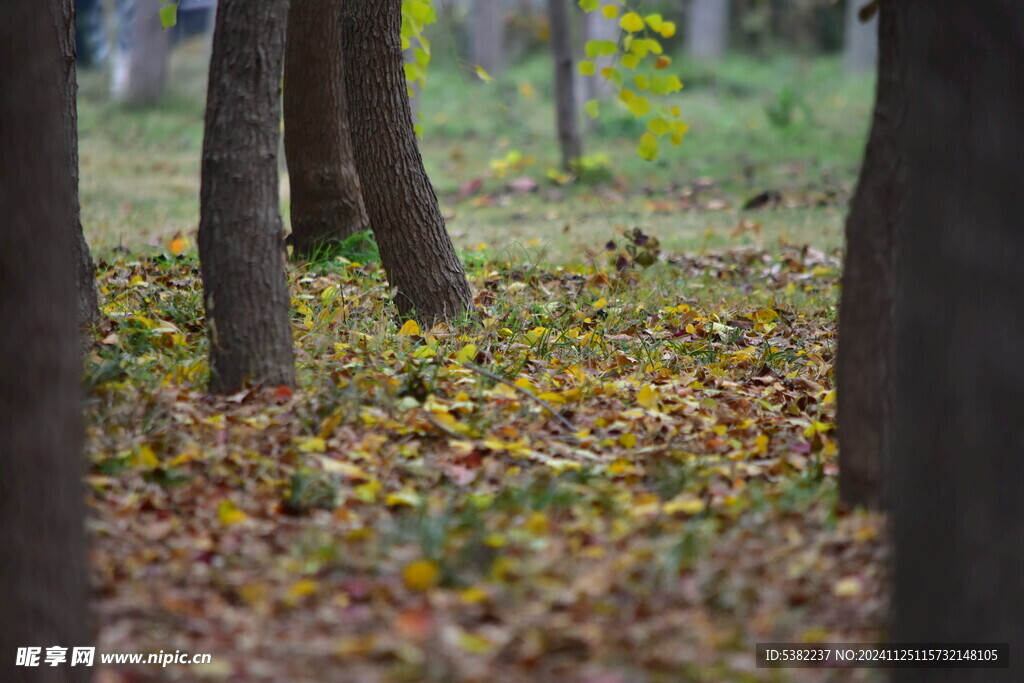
[599,27]
[422,266]
[143,49]
[63,16]
[865,311]
[240,240]
[43,576]
[860,44]
[570,139]
[958,447]
[326,196]
[488,39]
[708,29]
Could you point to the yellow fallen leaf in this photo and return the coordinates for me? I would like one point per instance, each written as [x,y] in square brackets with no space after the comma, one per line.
[301,589]
[627,440]
[403,497]
[537,524]
[410,329]
[229,514]
[473,595]
[466,354]
[421,575]
[367,492]
[475,644]
[313,444]
[687,503]
[647,397]
[849,587]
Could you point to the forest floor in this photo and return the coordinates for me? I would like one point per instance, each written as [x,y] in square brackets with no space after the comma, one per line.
[615,474]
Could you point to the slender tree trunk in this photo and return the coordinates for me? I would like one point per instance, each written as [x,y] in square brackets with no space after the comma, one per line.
[708,29]
[959,321]
[599,27]
[488,39]
[64,22]
[141,58]
[43,577]
[567,120]
[865,311]
[240,240]
[860,43]
[326,196]
[421,263]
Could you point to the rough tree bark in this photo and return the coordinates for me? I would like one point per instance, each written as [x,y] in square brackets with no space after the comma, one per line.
[240,240]
[860,39]
[567,120]
[417,253]
[958,447]
[707,34]
[63,13]
[865,310]
[326,195]
[488,39]
[139,73]
[43,576]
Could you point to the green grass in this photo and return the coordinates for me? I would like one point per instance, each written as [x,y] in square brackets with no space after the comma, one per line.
[140,167]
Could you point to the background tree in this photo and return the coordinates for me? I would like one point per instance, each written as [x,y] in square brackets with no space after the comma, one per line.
[598,27]
[860,38]
[958,449]
[417,253]
[326,196]
[863,372]
[240,229]
[142,53]
[43,580]
[570,137]
[487,19]
[707,32]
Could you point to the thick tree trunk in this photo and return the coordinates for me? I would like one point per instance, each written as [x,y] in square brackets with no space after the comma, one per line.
[959,321]
[240,240]
[64,22]
[326,196]
[860,39]
[570,138]
[707,35]
[865,311]
[139,74]
[488,39]
[43,576]
[421,263]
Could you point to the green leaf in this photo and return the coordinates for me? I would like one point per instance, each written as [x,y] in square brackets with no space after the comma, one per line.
[648,149]
[632,22]
[169,14]
[587,68]
[601,48]
[593,109]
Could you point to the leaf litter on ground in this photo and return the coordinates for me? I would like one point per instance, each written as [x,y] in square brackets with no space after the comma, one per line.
[609,474]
